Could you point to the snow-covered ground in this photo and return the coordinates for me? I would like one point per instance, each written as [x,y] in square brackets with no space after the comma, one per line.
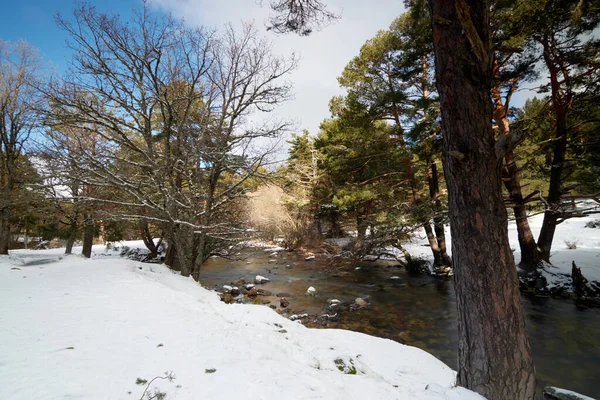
[573,231]
[88,329]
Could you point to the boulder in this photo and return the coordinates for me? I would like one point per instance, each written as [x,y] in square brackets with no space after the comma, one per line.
[252,292]
[235,291]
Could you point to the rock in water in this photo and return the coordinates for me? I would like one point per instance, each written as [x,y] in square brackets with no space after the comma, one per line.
[579,281]
[311,291]
[309,258]
[227,289]
[261,279]
[283,302]
[361,302]
[252,292]
[235,291]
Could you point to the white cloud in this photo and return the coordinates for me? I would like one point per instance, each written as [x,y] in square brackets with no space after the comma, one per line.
[323,54]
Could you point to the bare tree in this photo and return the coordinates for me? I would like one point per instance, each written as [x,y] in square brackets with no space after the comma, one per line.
[175,113]
[19,100]
[299,16]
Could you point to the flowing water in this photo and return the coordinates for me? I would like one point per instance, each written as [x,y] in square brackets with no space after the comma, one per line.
[415,310]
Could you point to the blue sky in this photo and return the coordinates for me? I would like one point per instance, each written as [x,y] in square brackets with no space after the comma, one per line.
[33,21]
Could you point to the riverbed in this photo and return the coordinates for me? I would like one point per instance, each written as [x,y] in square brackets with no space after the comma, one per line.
[415,310]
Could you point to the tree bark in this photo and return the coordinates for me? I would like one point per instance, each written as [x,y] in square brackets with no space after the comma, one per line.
[433,244]
[88,236]
[560,103]
[494,355]
[171,256]
[72,234]
[70,243]
[148,239]
[438,222]
[530,256]
[4,230]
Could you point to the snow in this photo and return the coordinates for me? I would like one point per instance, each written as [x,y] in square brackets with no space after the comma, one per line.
[564,392]
[79,328]
[586,255]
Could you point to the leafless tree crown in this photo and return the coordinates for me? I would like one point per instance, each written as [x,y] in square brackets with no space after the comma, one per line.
[299,16]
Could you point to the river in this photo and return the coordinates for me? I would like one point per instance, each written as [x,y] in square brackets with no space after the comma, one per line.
[415,310]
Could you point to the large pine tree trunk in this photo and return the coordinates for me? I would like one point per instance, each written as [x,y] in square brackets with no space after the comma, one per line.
[4,230]
[494,355]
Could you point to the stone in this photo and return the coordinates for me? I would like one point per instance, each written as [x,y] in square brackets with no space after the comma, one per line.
[241,282]
[252,292]
[261,279]
[227,289]
[273,306]
[334,301]
[360,302]
[249,286]
[297,317]
[235,291]
[309,258]
[263,292]
[284,294]
[311,291]
[283,302]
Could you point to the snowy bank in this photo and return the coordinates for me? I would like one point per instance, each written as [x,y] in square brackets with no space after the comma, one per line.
[80,328]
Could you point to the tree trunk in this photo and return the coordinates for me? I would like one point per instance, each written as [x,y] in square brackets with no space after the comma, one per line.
[148,239]
[72,235]
[494,355]
[560,104]
[171,256]
[530,256]
[433,244]
[88,236]
[4,230]
[70,243]
[438,223]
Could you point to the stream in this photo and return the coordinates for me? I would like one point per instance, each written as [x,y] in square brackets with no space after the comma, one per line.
[415,310]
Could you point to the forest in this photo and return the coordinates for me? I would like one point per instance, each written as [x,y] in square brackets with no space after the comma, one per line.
[456,121]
